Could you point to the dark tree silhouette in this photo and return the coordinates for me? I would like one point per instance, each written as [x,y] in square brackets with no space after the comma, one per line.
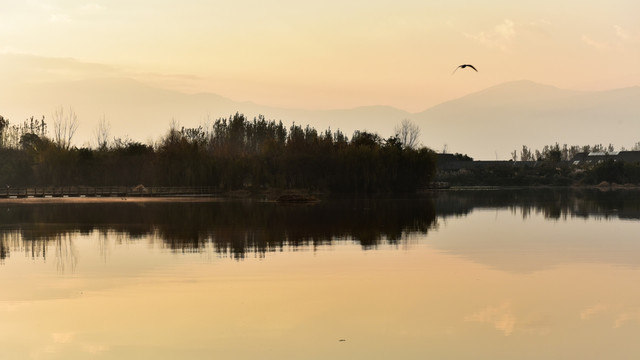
[234,153]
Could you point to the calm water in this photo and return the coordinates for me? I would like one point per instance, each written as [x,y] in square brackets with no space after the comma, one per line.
[462,275]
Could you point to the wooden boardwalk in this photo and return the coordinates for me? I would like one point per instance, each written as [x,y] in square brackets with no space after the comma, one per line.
[106,191]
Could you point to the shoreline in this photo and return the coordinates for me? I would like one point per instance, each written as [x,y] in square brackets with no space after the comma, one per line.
[273,196]
[88,200]
[602,186]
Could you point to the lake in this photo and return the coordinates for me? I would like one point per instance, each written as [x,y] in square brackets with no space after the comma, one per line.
[538,274]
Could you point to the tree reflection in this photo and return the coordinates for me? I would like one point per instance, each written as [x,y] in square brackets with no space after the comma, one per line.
[238,229]
[35,243]
[232,228]
[551,203]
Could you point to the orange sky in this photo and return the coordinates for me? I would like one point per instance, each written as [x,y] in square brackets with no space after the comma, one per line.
[335,54]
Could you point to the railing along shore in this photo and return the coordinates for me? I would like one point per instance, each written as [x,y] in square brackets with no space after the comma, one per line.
[106,191]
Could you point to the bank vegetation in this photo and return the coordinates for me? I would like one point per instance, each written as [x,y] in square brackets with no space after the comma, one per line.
[232,153]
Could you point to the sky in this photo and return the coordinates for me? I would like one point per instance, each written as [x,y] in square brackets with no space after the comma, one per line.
[332,53]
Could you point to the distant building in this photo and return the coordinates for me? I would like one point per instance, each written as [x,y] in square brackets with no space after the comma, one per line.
[593,158]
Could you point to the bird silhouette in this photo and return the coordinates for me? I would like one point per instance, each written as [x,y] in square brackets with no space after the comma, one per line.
[464,66]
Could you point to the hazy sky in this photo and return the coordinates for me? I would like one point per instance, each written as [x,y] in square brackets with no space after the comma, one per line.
[336,53]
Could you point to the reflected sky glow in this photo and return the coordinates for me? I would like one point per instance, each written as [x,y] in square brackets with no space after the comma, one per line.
[490,284]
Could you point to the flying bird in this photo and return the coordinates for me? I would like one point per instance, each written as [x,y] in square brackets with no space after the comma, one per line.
[464,66]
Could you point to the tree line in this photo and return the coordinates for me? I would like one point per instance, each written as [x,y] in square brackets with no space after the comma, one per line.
[232,153]
[550,166]
[563,153]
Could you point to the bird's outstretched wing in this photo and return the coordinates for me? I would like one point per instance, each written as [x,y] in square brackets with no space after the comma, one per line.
[464,66]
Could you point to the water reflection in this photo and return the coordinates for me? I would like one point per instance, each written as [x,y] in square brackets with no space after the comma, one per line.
[540,229]
[232,228]
[551,203]
[511,275]
[239,228]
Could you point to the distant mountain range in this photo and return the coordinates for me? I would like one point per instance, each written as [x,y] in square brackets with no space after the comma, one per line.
[505,117]
[487,124]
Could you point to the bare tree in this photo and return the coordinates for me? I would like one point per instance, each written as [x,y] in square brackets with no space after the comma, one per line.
[408,133]
[526,154]
[64,127]
[102,133]
[4,124]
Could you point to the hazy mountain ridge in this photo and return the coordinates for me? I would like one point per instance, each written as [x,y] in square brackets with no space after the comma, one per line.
[521,92]
[490,122]
[505,117]
[144,112]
